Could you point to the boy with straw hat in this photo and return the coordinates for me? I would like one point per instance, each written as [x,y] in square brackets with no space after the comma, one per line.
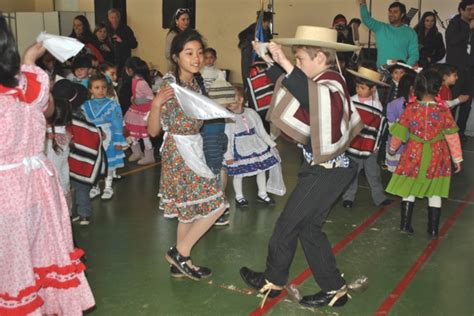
[364,147]
[318,114]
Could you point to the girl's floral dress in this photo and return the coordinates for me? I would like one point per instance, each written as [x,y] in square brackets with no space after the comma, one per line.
[425,166]
[184,194]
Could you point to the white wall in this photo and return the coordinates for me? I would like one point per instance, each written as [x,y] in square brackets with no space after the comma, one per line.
[220,21]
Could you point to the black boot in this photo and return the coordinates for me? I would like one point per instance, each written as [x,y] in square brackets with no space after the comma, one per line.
[179,261]
[434,214]
[406,211]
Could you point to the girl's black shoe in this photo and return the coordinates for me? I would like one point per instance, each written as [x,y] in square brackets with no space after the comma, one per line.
[176,259]
[202,271]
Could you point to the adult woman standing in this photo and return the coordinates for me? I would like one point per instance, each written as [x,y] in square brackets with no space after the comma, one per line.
[430,41]
[81,30]
[179,23]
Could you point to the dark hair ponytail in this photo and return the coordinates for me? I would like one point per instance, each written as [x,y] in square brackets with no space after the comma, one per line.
[9,57]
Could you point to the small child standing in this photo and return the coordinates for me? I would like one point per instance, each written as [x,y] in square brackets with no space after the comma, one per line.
[249,150]
[135,118]
[214,137]
[394,111]
[109,70]
[425,167]
[364,147]
[397,71]
[57,144]
[104,43]
[449,74]
[80,70]
[209,72]
[87,161]
[106,114]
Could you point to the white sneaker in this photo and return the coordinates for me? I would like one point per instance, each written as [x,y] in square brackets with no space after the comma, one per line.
[95,191]
[108,193]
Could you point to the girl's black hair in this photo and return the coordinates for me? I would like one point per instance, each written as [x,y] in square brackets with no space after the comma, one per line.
[177,46]
[420,27]
[106,66]
[176,16]
[406,83]
[445,69]
[139,67]
[86,35]
[62,116]
[10,59]
[427,82]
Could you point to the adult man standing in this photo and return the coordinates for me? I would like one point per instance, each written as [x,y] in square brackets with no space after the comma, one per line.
[459,42]
[395,41]
[245,43]
[122,37]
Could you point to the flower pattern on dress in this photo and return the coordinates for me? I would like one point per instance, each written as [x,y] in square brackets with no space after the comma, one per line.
[426,122]
[184,194]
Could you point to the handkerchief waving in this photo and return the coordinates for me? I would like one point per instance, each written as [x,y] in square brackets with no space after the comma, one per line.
[61,47]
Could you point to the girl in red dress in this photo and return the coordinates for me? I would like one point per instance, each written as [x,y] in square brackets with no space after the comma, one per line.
[432,139]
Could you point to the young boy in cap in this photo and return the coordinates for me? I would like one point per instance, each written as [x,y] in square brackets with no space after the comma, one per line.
[364,148]
[332,122]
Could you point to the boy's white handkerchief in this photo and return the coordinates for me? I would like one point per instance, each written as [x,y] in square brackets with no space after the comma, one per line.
[61,47]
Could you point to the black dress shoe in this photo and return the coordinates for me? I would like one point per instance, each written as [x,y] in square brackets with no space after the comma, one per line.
[347,204]
[266,200]
[242,202]
[256,280]
[326,298]
[386,202]
[179,261]
[202,271]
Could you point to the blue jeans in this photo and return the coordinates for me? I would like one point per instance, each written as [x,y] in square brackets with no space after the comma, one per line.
[82,201]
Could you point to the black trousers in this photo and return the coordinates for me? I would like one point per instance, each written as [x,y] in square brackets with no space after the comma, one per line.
[302,219]
[464,85]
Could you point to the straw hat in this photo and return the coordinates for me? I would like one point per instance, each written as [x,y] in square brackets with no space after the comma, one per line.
[316,36]
[368,74]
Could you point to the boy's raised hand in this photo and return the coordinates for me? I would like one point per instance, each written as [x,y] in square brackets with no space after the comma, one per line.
[262,51]
[277,52]
[279,56]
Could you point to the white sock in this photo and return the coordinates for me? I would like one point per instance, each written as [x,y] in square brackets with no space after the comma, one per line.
[262,184]
[238,188]
[434,201]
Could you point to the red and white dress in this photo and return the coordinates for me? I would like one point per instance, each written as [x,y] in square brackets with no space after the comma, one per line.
[135,118]
[41,272]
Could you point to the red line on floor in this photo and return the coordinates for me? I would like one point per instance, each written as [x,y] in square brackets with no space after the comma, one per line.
[393,297]
[338,247]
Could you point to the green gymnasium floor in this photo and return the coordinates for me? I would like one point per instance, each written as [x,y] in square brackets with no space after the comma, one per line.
[408,275]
